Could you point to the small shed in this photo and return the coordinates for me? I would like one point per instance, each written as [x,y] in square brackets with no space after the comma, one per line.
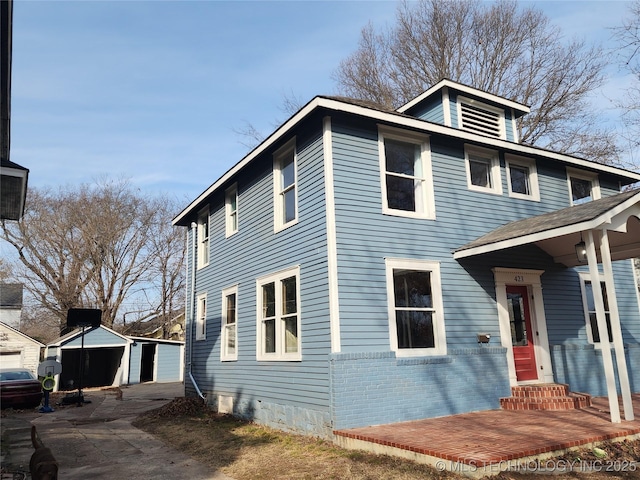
[18,350]
[155,360]
[113,359]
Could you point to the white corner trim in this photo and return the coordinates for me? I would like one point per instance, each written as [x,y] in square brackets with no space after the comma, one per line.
[332,243]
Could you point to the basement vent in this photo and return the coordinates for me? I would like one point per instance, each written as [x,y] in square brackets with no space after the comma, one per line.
[225,404]
[483,119]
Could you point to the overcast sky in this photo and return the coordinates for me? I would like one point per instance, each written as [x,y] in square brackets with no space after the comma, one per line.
[153,90]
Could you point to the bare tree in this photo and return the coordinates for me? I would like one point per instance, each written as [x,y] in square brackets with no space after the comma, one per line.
[628,38]
[499,47]
[90,246]
[168,275]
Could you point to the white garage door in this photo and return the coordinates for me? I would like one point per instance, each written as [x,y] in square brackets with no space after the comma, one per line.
[11,360]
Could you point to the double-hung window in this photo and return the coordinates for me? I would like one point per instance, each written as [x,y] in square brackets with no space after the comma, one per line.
[278,328]
[201,317]
[406,178]
[589,305]
[583,186]
[285,186]
[229,345]
[522,177]
[483,170]
[231,210]
[416,319]
[203,238]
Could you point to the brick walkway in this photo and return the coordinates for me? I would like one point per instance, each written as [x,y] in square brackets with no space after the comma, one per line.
[490,437]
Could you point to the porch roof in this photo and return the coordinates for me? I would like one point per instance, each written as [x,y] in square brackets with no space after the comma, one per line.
[558,232]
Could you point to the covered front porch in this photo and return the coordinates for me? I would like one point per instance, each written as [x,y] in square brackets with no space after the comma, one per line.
[592,235]
[487,442]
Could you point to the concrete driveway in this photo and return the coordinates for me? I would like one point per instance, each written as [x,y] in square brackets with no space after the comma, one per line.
[97,440]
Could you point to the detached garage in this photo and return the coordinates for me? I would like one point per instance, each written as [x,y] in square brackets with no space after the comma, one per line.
[112,359]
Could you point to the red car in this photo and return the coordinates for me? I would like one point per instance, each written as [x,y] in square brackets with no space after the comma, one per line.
[19,388]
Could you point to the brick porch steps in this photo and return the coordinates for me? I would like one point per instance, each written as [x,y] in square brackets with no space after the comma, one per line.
[544,397]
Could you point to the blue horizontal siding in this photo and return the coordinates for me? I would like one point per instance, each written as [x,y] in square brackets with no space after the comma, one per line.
[95,337]
[135,363]
[365,237]
[256,251]
[168,360]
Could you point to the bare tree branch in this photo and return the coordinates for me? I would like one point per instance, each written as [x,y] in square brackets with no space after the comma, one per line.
[499,47]
[98,246]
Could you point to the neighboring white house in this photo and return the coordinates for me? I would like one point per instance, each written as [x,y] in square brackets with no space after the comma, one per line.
[18,350]
[11,303]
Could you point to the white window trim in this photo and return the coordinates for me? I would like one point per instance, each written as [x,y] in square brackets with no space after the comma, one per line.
[201,317]
[586,277]
[278,199]
[279,355]
[224,356]
[493,157]
[530,164]
[583,175]
[436,293]
[230,229]
[426,204]
[471,101]
[204,214]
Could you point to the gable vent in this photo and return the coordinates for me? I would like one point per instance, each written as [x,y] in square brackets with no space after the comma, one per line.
[483,120]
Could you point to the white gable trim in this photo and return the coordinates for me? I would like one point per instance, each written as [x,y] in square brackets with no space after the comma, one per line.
[18,332]
[73,335]
[469,91]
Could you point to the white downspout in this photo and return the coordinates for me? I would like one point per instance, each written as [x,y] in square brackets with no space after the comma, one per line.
[192,300]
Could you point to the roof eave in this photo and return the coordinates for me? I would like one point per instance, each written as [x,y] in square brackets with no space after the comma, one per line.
[398,119]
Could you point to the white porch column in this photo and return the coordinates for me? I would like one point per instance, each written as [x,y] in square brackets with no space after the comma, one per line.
[607,360]
[616,331]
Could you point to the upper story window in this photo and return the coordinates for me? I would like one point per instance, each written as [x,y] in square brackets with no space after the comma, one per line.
[481,118]
[589,305]
[483,169]
[231,210]
[405,167]
[416,319]
[203,238]
[522,177]
[278,329]
[229,334]
[583,186]
[201,317]
[285,186]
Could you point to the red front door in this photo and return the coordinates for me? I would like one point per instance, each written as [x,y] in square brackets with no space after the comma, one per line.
[522,336]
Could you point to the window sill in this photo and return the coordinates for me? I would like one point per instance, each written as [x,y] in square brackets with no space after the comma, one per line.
[521,196]
[420,352]
[279,228]
[262,358]
[407,214]
[491,191]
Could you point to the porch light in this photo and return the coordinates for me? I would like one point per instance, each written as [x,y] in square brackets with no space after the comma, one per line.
[581,251]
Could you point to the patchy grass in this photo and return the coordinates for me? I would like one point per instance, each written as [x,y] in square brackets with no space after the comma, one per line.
[247,451]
